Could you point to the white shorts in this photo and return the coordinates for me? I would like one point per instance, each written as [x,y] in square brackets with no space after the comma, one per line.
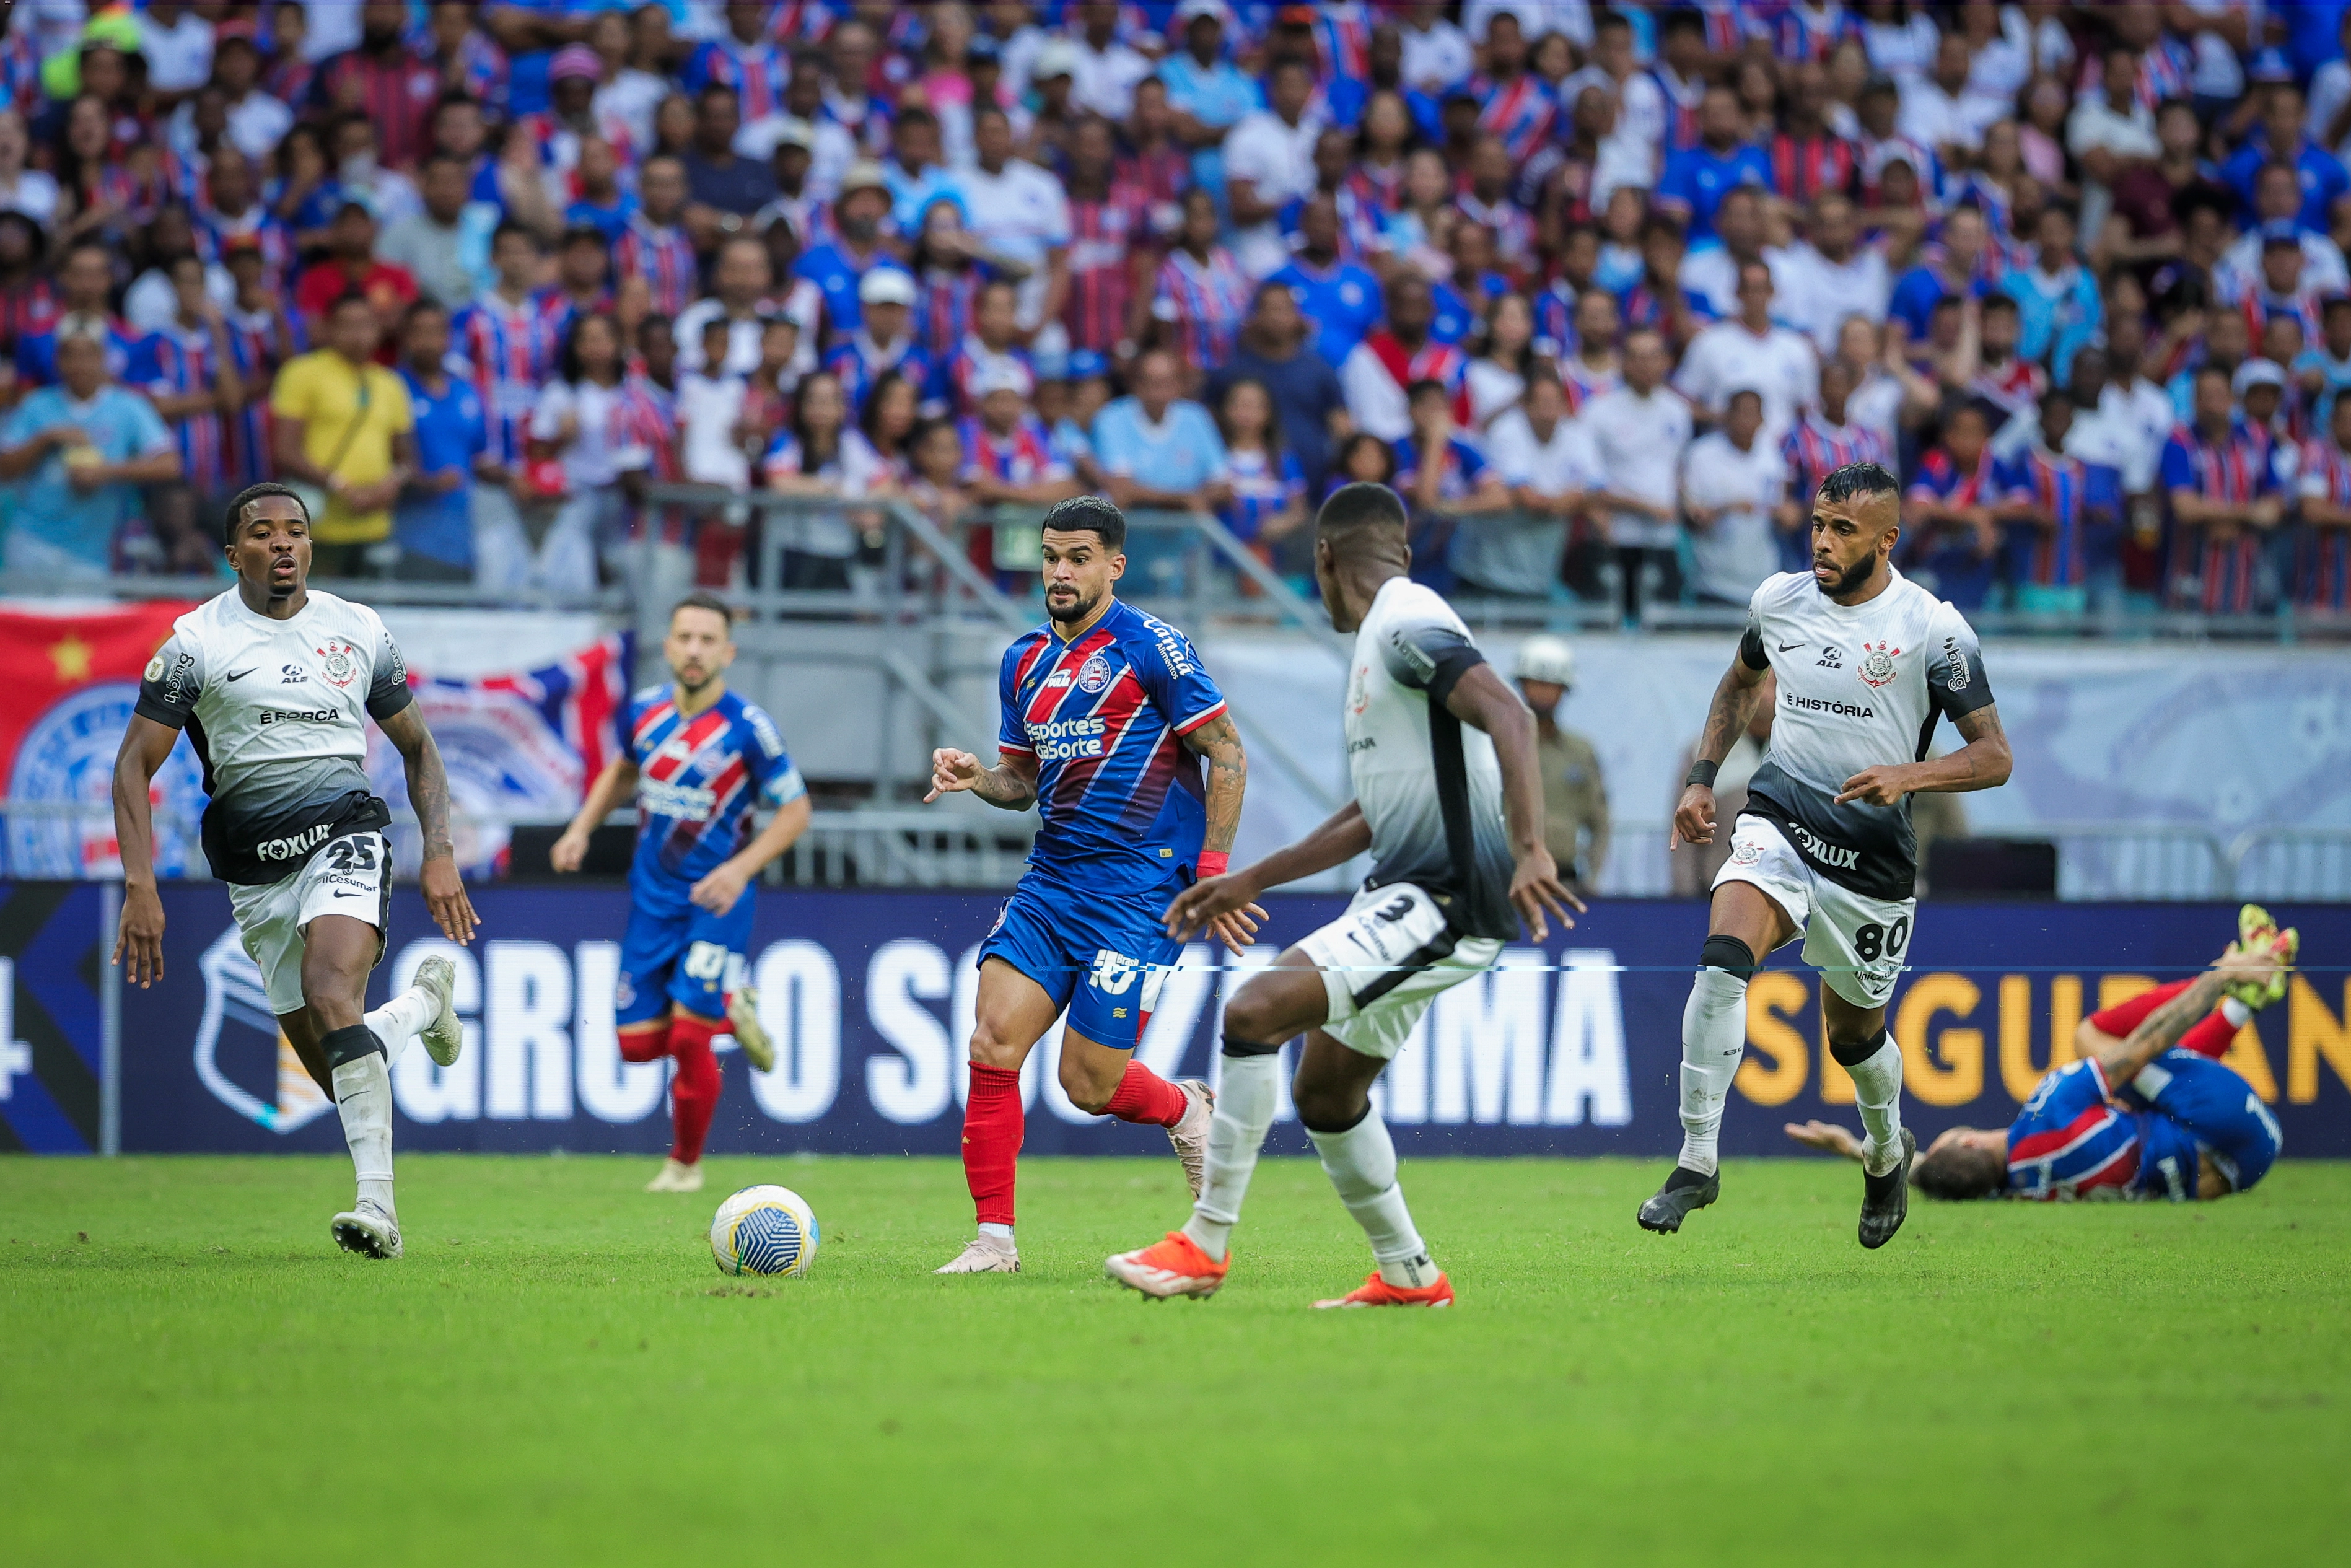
[1385,960]
[349,875]
[1856,942]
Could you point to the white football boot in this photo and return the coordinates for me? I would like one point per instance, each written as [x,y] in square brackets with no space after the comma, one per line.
[743,1017]
[1190,1135]
[444,1035]
[675,1178]
[984,1255]
[367,1228]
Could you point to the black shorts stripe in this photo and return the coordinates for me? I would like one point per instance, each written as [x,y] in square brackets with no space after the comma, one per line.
[1415,962]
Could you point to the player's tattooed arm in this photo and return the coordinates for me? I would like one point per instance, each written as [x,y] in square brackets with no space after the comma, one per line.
[1726,718]
[2161,1029]
[1983,763]
[1220,743]
[428,791]
[1010,785]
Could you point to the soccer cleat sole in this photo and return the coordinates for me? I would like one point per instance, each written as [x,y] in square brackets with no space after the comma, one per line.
[444,1037]
[353,1233]
[1900,1193]
[1664,1210]
[1153,1284]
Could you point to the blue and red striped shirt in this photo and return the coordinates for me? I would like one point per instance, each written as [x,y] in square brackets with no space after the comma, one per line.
[1205,302]
[2085,499]
[758,72]
[509,351]
[664,257]
[1123,800]
[697,781]
[184,363]
[1521,112]
[2322,560]
[2072,1140]
[1102,236]
[2213,569]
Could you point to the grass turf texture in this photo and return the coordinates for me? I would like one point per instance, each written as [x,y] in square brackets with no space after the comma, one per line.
[557,1373]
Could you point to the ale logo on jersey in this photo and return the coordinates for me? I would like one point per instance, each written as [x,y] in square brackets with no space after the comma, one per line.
[1093,675]
[341,662]
[1877,663]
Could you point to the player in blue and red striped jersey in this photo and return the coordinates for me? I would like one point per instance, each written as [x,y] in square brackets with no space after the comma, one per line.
[2322,563]
[1107,718]
[2142,1118]
[700,760]
[2063,518]
[2220,474]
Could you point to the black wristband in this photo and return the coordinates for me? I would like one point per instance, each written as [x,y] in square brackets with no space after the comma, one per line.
[1702,773]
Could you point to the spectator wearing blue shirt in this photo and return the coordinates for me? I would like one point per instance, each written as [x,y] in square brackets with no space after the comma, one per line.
[433,521]
[1958,268]
[1274,350]
[84,277]
[1160,453]
[602,205]
[1207,92]
[73,456]
[839,266]
[1697,178]
[1340,300]
[914,177]
[2280,139]
[2058,304]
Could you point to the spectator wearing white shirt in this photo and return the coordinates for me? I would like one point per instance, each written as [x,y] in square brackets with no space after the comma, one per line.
[2112,128]
[1269,163]
[2277,198]
[1019,213]
[1732,481]
[1547,461]
[2129,401]
[1104,71]
[1436,54]
[177,45]
[1936,111]
[1640,102]
[1831,274]
[1711,269]
[257,121]
[1753,352]
[1638,433]
[1570,18]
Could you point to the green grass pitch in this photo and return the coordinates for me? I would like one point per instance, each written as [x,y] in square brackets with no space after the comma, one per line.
[556,1373]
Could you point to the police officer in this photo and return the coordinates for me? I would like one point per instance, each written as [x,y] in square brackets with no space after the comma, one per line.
[1575,800]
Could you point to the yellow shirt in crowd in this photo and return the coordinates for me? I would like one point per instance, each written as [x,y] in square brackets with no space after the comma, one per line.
[324,391]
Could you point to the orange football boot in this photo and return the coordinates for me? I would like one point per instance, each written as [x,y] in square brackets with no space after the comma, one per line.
[1176,1267]
[1376,1292]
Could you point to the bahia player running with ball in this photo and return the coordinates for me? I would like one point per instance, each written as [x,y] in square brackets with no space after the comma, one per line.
[1107,718]
[273,683]
[700,758]
[1867,661]
[1449,804]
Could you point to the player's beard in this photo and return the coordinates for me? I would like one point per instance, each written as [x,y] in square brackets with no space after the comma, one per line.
[1077,609]
[1850,580]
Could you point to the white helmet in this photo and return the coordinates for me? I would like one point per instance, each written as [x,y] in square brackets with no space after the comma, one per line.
[1547,658]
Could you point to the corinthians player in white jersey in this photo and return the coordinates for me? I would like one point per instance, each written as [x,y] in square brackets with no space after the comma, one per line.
[1866,662]
[1449,804]
[273,683]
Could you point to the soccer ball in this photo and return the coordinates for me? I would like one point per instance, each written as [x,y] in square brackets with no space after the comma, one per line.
[764,1230]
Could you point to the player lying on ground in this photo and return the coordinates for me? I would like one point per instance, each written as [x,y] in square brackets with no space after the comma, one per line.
[1107,717]
[1449,804]
[2212,1034]
[271,682]
[1867,660]
[699,759]
[2143,1117]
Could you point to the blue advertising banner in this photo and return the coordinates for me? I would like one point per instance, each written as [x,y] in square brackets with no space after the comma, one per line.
[1569,1048]
[52,1039]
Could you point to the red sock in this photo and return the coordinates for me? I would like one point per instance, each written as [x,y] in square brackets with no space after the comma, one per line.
[2212,1037]
[1144,1096]
[694,1091]
[649,1044]
[2124,1016]
[991,1141]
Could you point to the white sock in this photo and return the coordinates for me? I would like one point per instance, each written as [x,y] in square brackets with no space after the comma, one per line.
[363,1099]
[2237,1013]
[1714,1037]
[1250,1089]
[1877,1094]
[398,1020]
[1362,1165]
[1002,1232]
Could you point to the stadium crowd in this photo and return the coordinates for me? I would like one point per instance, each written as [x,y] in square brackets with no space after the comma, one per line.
[1603,293]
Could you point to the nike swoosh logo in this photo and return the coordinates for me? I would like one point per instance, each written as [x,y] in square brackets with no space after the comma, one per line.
[242,674]
[1784,648]
[340,893]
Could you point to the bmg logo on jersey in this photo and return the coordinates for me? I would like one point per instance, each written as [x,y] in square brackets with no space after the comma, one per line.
[1113,973]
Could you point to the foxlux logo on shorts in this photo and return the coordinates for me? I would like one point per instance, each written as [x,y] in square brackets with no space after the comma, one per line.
[1827,853]
[293,844]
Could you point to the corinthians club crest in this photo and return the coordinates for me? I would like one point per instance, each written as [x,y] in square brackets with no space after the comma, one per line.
[234,995]
[1877,663]
[338,663]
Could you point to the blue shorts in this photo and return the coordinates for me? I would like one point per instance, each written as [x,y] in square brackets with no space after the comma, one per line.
[680,954]
[1102,958]
[2212,1111]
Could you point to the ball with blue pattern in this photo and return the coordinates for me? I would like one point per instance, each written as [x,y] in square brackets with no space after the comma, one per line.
[764,1230]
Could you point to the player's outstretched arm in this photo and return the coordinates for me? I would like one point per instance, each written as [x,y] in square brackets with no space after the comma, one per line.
[1219,741]
[2161,1029]
[1726,718]
[1011,784]
[1481,699]
[618,781]
[138,943]
[1983,763]
[428,791]
[1339,839]
[1825,1136]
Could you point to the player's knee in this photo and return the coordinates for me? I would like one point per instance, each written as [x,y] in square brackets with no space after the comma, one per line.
[1087,1088]
[1852,1045]
[1727,954]
[1256,1015]
[1328,1107]
[993,1046]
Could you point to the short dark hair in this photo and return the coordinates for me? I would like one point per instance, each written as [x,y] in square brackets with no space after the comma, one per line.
[702,599]
[351,297]
[1088,514]
[2005,304]
[513,227]
[1957,1172]
[234,518]
[1854,479]
[1355,507]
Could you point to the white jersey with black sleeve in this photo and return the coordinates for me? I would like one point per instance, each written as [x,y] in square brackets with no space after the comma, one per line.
[277,711]
[1860,686]
[1430,786]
